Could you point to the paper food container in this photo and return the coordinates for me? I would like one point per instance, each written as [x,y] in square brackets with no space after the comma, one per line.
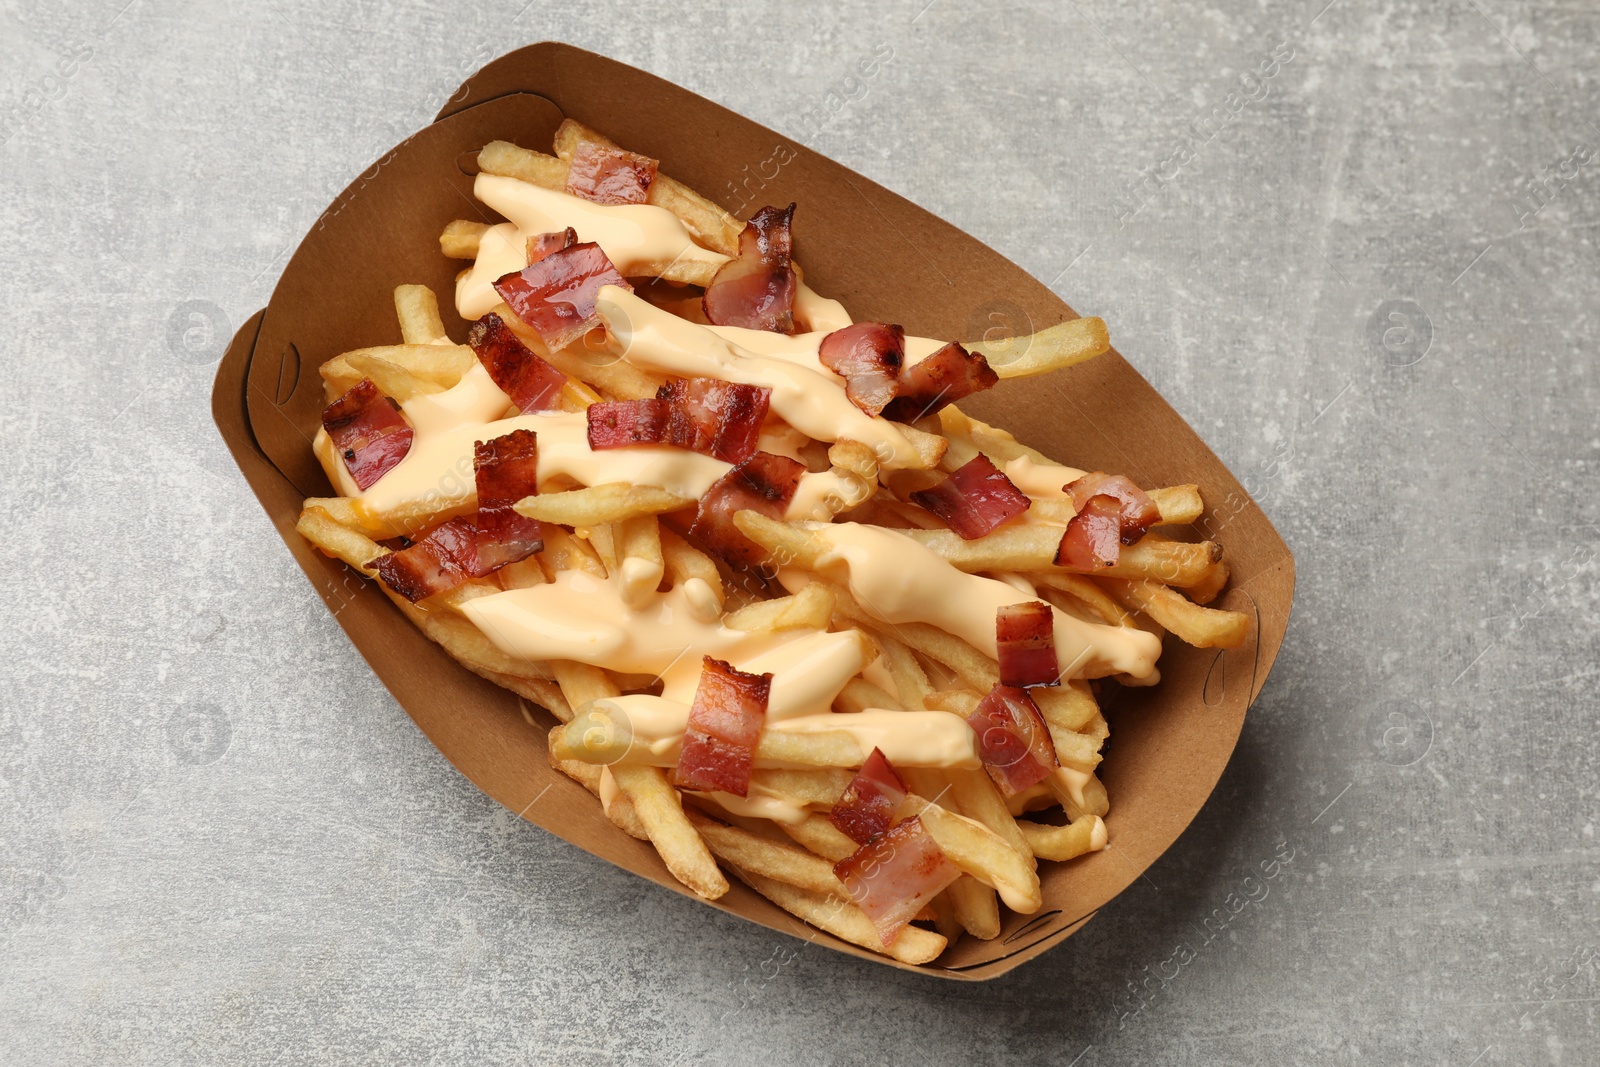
[887,260]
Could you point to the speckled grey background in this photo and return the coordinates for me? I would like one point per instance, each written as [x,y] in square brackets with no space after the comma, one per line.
[1349,287]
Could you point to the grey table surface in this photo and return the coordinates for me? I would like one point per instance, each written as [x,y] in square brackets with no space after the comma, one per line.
[1368,278]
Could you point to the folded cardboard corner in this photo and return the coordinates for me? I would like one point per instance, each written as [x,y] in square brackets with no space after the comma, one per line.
[886,259]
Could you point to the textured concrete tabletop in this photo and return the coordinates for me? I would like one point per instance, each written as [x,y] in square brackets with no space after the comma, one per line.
[1355,245]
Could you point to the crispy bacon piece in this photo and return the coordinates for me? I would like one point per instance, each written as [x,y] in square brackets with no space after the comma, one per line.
[507,469]
[870,800]
[556,295]
[706,415]
[369,432]
[1026,634]
[1093,539]
[607,174]
[1138,513]
[764,483]
[895,874]
[869,357]
[442,560]
[519,371]
[725,722]
[545,243]
[718,418]
[756,289]
[620,423]
[1013,741]
[942,378]
[975,499]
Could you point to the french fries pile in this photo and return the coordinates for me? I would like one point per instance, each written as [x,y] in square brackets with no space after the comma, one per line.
[1158,584]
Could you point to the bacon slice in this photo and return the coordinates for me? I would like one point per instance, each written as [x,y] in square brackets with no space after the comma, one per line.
[725,722]
[893,876]
[1026,634]
[714,417]
[369,432]
[507,469]
[1138,512]
[756,289]
[706,415]
[1013,741]
[869,357]
[607,174]
[1093,539]
[764,483]
[942,378]
[975,499]
[519,371]
[870,800]
[556,296]
[620,423]
[442,560]
[545,243]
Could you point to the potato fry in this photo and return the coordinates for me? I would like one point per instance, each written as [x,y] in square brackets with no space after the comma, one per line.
[845,921]
[460,238]
[1090,798]
[1071,706]
[441,364]
[640,558]
[976,906]
[784,542]
[1086,592]
[1199,626]
[337,540]
[417,308]
[564,551]
[535,168]
[1210,586]
[660,809]
[809,609]
[541,691]
[1179,504]
[820,787]
[770,859]
[945,919]
[1049,349]
[1067,842]
[686,563]
[600,504]
[910,680]
[1033,548]
[601,735]
[930,447]
[620,811]
[821,836]
[521,575]
[980,852]
[977,797]
[393,380]
[1079,750]
[859,694]
[603,539]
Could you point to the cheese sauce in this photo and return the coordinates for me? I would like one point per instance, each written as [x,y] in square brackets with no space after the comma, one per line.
[898,580]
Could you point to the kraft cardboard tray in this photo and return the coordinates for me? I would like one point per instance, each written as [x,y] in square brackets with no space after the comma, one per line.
[887,260]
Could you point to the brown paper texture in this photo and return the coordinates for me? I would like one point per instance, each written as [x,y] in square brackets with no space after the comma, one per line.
[886,259]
